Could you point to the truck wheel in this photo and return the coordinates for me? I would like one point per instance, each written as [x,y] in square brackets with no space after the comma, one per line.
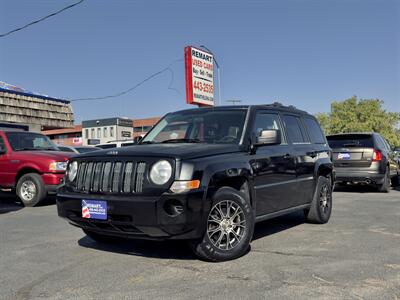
[229,228]
[321,205]
[385,186]
[31,189]
[101,238]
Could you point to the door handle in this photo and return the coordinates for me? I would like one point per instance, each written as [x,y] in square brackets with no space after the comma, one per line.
[312,154]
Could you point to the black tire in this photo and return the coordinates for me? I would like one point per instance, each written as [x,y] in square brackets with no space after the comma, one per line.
[31,189]
[395,180]
[321,205]
[385,186]
[236,222]
[101,238]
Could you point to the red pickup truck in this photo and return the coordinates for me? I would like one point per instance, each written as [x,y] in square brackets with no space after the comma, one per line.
[30,165]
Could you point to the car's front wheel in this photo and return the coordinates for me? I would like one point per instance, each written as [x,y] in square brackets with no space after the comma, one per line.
[30,189]
[321,205]
[229,228]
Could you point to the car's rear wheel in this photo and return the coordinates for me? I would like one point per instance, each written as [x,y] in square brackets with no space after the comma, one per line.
[321,205]
[31,189]
[385,186]
[229,227]
[101,238]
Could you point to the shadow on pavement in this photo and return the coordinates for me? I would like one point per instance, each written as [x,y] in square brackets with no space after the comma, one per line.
[359,188]
[180,249]
[9,202]
[145,248]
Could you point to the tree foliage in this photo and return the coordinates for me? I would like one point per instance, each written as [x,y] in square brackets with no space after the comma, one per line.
[361,115]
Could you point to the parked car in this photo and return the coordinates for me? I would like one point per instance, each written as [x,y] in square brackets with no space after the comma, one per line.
[30,165]
[364,158]
[115,144]
[206,175]
[77,149]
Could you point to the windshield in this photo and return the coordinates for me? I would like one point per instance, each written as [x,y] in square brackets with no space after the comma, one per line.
[30,141]
[199,126]
[350,140]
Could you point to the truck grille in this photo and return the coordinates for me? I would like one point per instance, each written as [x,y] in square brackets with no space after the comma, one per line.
[110,177]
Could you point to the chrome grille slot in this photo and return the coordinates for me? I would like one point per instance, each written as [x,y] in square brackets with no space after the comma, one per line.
[128,177]
[97,177]
[106,177]
[116,176]
[81,176]
[140,176]
[88,176]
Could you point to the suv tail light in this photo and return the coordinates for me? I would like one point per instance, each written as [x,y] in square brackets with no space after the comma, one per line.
[377,155]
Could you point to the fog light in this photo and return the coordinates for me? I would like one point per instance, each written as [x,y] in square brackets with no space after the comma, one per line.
[173,207]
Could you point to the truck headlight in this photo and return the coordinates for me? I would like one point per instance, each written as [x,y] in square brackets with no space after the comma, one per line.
[161,172]
[72,171]
[58,166]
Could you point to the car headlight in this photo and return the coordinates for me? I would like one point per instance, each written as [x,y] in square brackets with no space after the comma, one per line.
[161,172]
[58,166]
[72,171]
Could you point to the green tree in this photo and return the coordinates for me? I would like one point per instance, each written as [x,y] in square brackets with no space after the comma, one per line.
[361,115]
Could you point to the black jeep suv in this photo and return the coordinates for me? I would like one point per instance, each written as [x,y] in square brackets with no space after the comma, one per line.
[364,158]
[206,175]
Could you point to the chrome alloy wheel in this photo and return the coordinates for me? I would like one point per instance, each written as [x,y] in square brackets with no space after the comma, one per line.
[324,198]
[28,190]
[226,225]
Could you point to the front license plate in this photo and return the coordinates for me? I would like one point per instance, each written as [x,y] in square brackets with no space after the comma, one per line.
[343,156]
[94,209]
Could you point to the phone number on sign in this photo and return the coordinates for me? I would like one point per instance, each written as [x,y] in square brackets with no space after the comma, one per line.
[203,87]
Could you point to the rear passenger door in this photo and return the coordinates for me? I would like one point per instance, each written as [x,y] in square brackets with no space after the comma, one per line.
[304,155]
[273,167]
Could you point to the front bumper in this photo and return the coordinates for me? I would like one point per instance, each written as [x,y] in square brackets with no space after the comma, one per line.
[53,181]
[139,216]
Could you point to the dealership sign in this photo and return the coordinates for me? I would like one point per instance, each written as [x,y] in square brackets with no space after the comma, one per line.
[199,74]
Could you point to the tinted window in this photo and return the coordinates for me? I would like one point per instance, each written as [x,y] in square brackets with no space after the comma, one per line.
[2,144]
[314,131]
[350,140]
[265,121]
[294,129]
[29,141]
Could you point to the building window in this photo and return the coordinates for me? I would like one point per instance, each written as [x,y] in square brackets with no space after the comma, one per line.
[86,133]
[93,134]
[111,131]
[99,133]
[105,132]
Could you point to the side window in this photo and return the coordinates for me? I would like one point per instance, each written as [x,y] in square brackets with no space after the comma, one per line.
[265,121]
[295,130]
[380,142]
[2,145]
[314,131]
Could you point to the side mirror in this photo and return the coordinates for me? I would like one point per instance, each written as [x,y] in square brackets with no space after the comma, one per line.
[3,151]
[137,139]
[269,137]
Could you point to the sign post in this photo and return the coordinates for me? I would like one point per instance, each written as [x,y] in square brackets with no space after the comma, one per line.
[199,75]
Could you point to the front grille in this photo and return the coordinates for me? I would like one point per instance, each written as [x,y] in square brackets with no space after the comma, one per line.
[111,177]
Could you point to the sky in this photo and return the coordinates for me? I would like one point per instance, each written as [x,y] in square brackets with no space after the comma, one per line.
[298,52]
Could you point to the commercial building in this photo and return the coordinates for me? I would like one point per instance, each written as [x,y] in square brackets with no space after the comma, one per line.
[66,136]
[22,109]
[142,126]
[106,130]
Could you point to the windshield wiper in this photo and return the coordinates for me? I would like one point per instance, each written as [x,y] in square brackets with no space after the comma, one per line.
[182,141]
[146,142]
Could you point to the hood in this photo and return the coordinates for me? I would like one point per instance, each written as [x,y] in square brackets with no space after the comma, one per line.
[176,150]
[50,155]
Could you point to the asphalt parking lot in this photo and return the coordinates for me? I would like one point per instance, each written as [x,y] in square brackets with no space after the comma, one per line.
[355,256]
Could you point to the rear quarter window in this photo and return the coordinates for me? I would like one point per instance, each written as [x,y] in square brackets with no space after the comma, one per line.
[350,140]
[314,131]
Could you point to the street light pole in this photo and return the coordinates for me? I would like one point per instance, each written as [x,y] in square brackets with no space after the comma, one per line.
[218,72]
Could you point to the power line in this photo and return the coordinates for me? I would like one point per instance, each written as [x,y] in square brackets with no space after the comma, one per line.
[168,68]
[41,19]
